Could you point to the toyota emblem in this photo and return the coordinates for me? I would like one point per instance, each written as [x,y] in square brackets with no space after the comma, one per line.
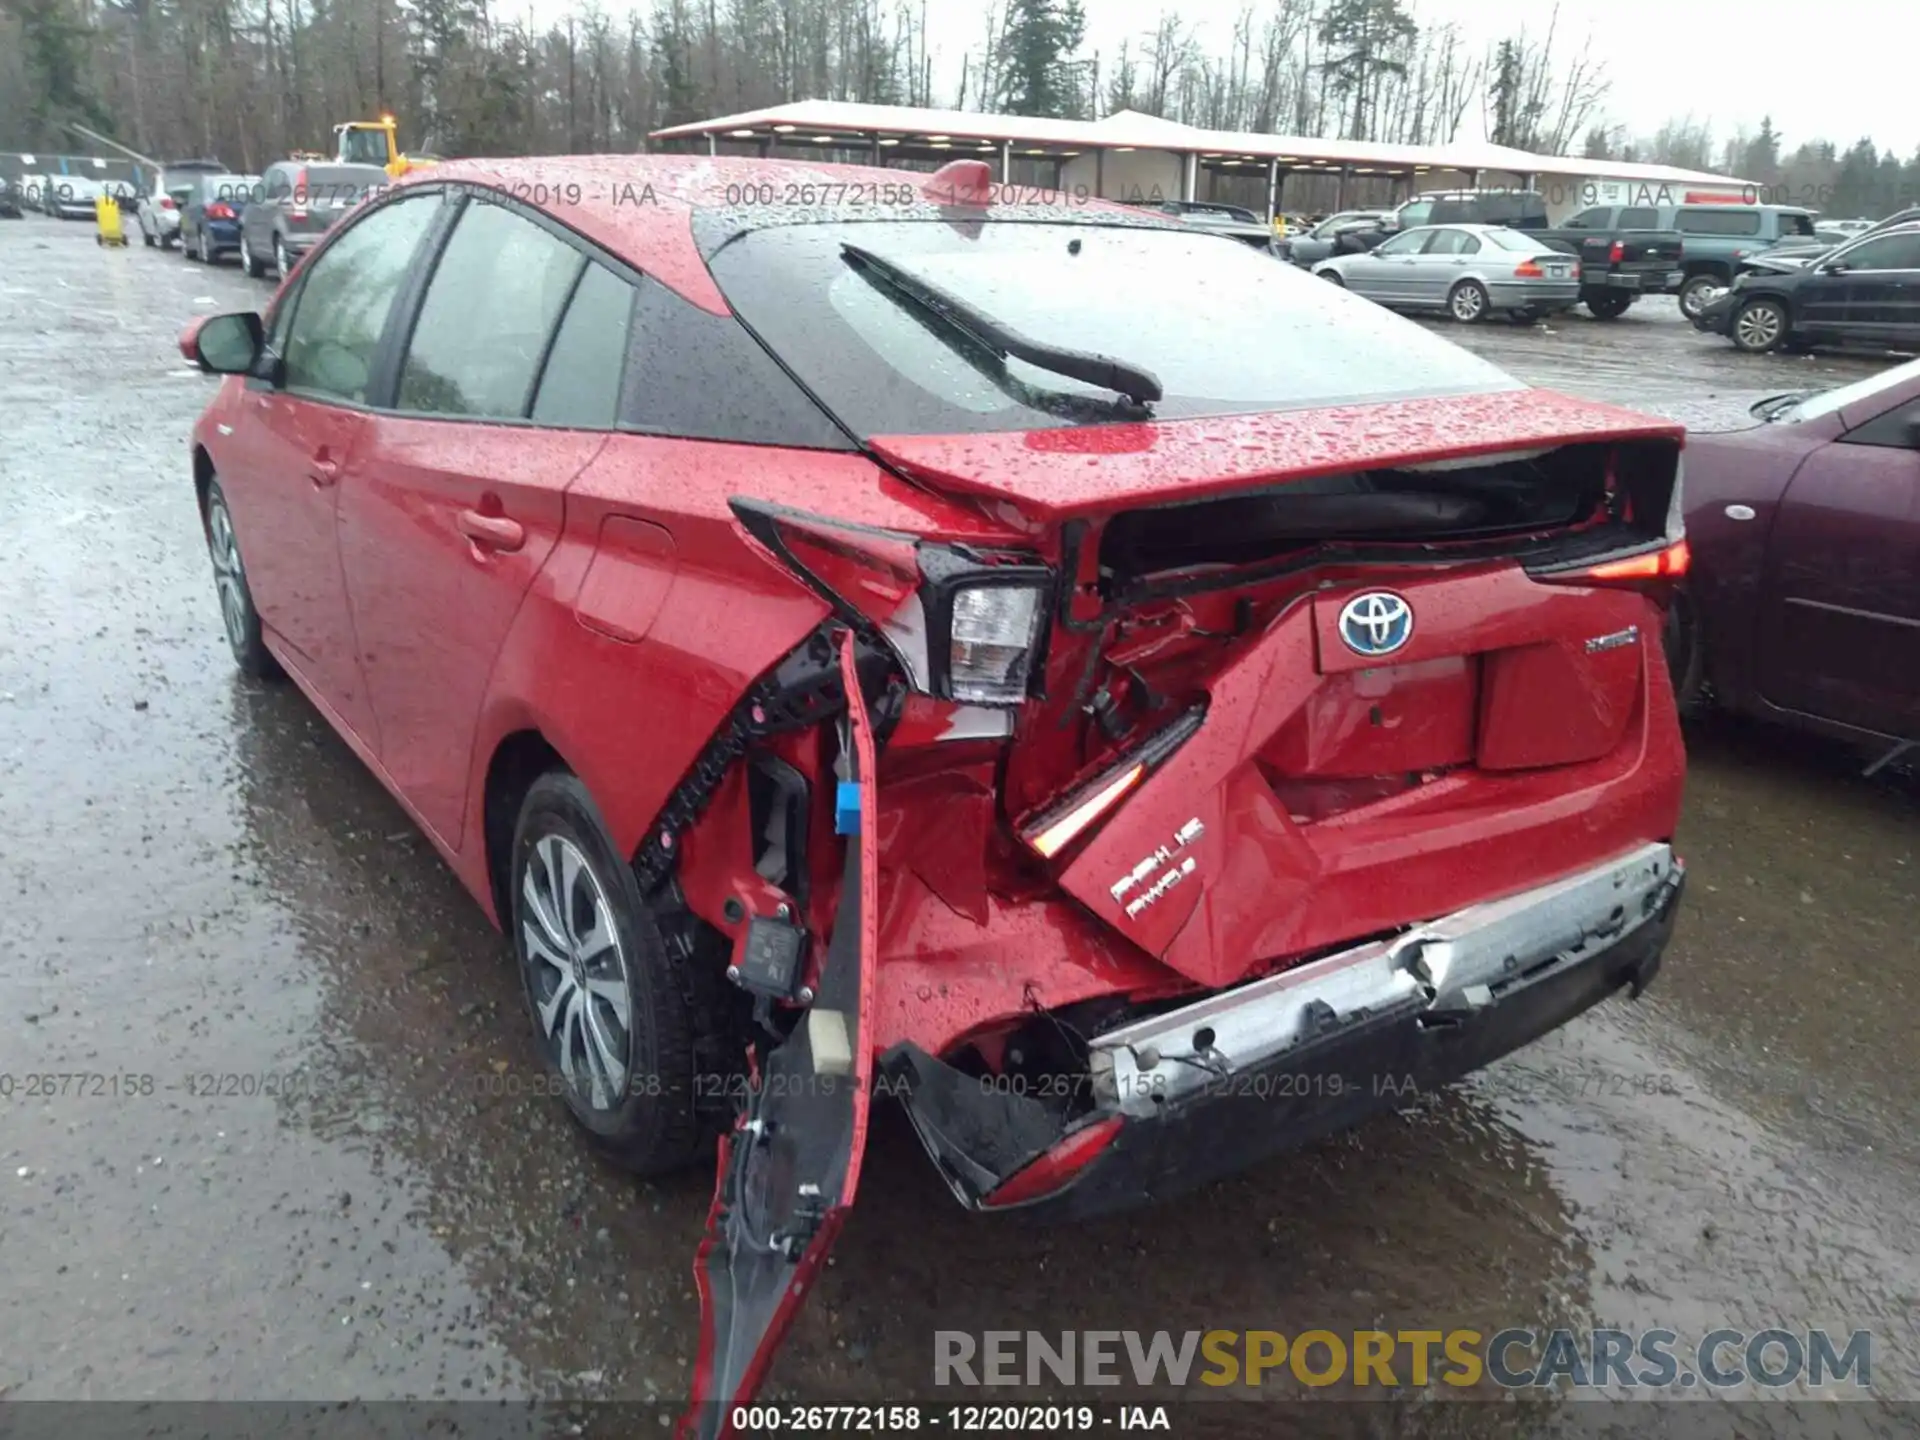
[1376,623]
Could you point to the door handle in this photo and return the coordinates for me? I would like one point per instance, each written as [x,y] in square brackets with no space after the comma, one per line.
[492,532]
[322,472]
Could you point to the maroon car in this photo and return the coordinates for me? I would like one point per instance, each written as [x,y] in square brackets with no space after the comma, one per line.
[1803,602]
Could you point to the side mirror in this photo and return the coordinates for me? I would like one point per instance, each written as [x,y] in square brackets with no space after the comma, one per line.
[224,344]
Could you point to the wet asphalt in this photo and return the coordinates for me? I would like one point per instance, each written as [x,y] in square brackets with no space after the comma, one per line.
[290,1152]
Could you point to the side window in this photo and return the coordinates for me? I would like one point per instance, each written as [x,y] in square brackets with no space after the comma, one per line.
[701,376]
[1415,212]
[490,310]
[1640,217]
[1467,244]
[1898,429]
[1718,221]
[349,290]
[1448,242]
[1595,219]
[580,386]
[1888,252]
[1407,242]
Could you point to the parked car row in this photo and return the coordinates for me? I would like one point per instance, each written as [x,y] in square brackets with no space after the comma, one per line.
[267,221]
[66,197]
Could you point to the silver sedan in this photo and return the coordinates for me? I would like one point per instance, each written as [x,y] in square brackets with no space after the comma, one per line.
[1469,271]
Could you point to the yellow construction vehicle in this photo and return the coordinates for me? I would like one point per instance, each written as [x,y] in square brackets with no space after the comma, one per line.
[373,142]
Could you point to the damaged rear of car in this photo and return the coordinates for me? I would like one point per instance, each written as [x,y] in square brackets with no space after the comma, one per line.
[1229,710]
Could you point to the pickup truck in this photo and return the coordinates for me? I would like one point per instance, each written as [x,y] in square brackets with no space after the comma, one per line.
[1620,259]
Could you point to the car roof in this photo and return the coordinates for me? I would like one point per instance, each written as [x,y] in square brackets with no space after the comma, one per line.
[641,208]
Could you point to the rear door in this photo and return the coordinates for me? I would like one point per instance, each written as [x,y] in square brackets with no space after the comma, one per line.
[791,1168]
[456,498]
[1841,632]
[1883,288]
[1445,258]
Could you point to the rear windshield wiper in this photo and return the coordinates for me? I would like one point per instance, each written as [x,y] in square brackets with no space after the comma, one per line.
[1137,384]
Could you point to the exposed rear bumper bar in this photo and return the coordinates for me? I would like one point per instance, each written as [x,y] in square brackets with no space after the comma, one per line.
[1208,1089]
[1449,965]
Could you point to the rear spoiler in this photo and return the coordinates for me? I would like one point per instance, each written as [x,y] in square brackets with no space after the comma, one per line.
[1085,471]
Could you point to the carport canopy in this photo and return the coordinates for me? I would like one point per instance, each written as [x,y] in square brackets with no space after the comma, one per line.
[1097,157]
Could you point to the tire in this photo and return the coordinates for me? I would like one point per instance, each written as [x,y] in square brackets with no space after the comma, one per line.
[147,236]
[1334,276]
[1467,302]
[167,242]
[282,262]
[1608,304]
[1696,291]
[186,250]
[208,255]
[1686,656]
[254,268]
[1759,326]
[237,615]
[1525,316]
[631,1088]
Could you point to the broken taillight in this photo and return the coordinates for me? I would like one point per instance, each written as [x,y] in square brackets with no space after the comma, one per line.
[1054,834]
[1058,825]
[967,625]
[1057,1167]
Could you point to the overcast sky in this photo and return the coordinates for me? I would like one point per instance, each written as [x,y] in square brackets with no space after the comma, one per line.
[1834,71]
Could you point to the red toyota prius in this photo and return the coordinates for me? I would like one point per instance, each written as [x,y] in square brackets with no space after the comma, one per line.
[868,633]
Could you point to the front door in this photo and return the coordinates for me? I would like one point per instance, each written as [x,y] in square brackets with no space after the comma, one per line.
[303,423]
[1841,636]
[453,512]
[1386,274]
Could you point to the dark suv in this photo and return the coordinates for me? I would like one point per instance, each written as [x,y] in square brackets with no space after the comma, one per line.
[1865,292]
[297,204]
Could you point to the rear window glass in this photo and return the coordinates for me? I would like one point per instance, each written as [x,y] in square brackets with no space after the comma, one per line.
[1796,224]
[1224,329]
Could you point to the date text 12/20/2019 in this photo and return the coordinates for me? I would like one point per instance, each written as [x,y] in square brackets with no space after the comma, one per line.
[952,1419]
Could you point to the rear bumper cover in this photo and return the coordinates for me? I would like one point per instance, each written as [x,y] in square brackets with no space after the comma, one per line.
[1244,1074]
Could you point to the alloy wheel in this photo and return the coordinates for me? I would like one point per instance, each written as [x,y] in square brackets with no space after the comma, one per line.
[1758,327]
[228,576]
[206,254]
[576,971]
[1467,303]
